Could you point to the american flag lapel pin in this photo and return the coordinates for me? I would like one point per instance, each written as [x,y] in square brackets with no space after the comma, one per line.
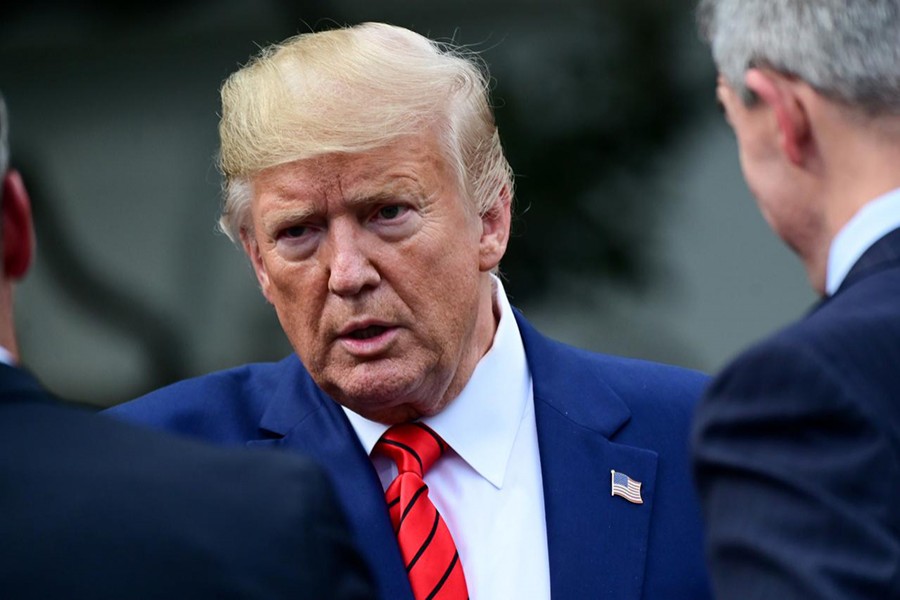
[626,487]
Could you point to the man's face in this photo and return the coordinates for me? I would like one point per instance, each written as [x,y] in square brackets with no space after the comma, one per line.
[773,180]
[749,128]
[378,269]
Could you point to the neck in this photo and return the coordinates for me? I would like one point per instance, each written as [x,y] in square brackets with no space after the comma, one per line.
[859,161]
[483,338]
[7,328]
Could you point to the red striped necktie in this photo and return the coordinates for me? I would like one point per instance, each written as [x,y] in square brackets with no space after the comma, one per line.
[431,559]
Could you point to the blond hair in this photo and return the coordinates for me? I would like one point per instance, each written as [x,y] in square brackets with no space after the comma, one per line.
[351,90]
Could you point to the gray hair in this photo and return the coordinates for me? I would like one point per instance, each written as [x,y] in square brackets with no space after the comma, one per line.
[847,50]
[352,90]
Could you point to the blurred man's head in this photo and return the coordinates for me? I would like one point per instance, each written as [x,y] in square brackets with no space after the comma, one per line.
[847,50]
[812,91]
[16,234]
[365,180]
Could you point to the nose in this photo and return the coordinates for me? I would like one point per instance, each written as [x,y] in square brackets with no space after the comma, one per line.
[350,269]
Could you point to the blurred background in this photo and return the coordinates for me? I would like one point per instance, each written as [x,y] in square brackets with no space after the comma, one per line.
[634,232]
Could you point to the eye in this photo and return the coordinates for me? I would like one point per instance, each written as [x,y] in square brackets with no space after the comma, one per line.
[391,212]
[293,232]
[394,220]
[297,242]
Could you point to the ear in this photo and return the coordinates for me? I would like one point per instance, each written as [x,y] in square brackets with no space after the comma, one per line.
[251,247]
[780,94]
[18,229]
[495,225]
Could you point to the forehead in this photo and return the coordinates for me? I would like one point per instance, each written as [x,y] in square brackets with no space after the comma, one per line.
[410,165]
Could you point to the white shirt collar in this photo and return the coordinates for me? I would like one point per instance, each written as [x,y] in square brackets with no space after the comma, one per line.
[481,423]
[7,358]
[872,222]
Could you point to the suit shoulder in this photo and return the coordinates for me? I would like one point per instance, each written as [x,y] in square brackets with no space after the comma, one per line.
[635,379]
[109,447]
[225,401]
[658,400]
[143,468]
[247,518]
[843,354]
[641,384]
[853,333]
[863,314]
[866,312]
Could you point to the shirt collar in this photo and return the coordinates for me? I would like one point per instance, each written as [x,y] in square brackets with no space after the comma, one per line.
[7,358]
[481,424]
[872,222]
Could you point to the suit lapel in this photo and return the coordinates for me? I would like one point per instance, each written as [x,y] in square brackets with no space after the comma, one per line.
[597,542]
[304,420]
[882,254]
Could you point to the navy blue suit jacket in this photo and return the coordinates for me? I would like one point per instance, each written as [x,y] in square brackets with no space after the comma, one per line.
[797,450]
[594,414]
[94,508]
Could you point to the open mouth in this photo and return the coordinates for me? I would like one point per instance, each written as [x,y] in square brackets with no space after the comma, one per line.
[367,332]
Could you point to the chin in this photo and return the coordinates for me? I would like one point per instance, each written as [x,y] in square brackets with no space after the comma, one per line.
[387,398]
[381,409]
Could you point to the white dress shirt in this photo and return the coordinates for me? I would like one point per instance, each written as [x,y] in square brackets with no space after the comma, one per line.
[488,488]
[6,357]
[872,222]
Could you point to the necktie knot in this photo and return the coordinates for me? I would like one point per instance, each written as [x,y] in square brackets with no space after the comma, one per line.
[414,447]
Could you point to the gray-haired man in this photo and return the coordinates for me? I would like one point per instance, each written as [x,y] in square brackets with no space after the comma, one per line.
[797,444]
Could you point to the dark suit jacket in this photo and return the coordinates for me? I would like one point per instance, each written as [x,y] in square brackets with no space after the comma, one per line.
[594,413]
[797,450]
[94,508]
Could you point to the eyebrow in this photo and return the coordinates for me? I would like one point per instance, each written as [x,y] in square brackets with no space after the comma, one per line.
[400,189]
[277,217]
